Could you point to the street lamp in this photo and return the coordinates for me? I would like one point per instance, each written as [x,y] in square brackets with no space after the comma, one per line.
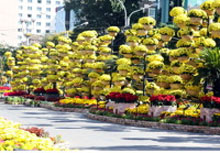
[125,12]
[146,6]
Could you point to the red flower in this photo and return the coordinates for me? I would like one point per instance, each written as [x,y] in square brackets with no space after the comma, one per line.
[52,91]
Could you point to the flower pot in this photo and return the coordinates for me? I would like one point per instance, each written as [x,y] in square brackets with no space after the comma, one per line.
[171,58]
[137,77]
[92,79]
[155,111]
[142,32]
[183,59]
[151,47]
[186,76]
[218,10]
[176,86]
[148,27]
[90,60]
[105,83]
[156,71]
[127,55]
[196,21]
[215,34]
[210,12]
[161,44]
[119,108]
[136,61]
[88,38]
[113,34]
[192,62]
[133,44]
[191,92]
[166,38]
[207,113]
[181,25]
[150,91]
[187,37]
[90,52]
[175,70]
[119,83]
[140,53]
[97,88]
[151,74]
[123,72]
[98,70]
[163,84]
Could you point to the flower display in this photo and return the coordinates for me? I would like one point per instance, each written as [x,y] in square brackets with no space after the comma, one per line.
[147,20]
[210,102]
[167,31]
[197,13]
[177,11]
[122,97]
[163,100]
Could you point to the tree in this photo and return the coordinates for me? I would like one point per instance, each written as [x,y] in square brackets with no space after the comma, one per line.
[101,14]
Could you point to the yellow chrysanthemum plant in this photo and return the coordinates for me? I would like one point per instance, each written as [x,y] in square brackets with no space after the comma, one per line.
[64,40]
[148,22]
[154,68]
[137,73]
[181,20]
[105,78]
[208,7]
[105,40]
[113,31]
[133,41]
[166,33]
[155,57]
[140,50]
[162,81]
[193,90]
[214,29]
[140,31]
[118,80]
[186,34]
[177,11]
[197,16]
[126,51]
[89,35]
[151,43]
[216,5]
[175,82]
[104,50]
[151,88]
[187,71]
[124,70]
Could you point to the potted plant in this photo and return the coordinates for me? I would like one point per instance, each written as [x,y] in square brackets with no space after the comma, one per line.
[175,66]
[187,71]
[175,82]
[162,81]
[151,43]
[147,22]
[161,103]
[155,67]
[166,33]
[210,71]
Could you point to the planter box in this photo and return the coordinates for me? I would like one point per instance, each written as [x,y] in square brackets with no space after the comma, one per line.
[156,110]
[119,108]
[207,113]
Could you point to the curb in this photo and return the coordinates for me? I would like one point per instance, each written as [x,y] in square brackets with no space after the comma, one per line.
[157,125]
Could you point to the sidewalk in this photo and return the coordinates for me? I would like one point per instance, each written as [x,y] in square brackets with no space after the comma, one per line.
[86,134]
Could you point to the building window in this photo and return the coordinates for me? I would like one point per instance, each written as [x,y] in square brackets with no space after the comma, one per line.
[39,1]
[47,24]
[29,8]
[39,8]
[29,15]
[29,1]
[152,12]
[38,16]
[58,2]
[20,14]
[38,23]
[48,2]
[48,16]
[47,31]
[38,31]
[20,7]
[19,37]
[29,30]
[48,9]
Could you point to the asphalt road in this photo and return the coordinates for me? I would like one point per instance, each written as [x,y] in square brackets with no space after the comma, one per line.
[86,134]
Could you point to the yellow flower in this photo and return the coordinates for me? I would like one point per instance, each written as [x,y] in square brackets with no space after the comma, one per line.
[177,11]
[167,31]
[123,61]
[150,41]
[113,29]
[181,19]
[207,5]
[216,4]
[137,26]
[197,13]
[155,57]
[147,21]
[125,49]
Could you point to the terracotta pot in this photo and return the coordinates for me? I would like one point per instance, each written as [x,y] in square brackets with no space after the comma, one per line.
[137,77]
[193,92]
[157,71]
[195,27]
[210,12]
[151,47]
[90,60]
[148,27]
[176,86]
[88,38]
[172,58]
[151,74]
[92,79]
[186,76]
[192,62]
[183,59]
[218,10]
[97,88]
[163,84]
[127,55]
[133,44]
[141,32]
[105,83]
[166,38]
[98,70]
[136,61]
[140,53]
[119,83]
[123,72]
[175,70]
[187,37]
[196,21]
[161,44]
[90,52]
[113,34]
[215,34]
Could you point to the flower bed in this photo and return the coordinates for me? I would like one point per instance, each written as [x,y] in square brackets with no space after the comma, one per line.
[13,137]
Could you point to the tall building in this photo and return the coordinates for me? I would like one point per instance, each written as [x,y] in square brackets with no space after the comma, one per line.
[19,18]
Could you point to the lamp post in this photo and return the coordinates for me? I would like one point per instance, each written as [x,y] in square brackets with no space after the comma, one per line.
[125,12]
[145,7]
